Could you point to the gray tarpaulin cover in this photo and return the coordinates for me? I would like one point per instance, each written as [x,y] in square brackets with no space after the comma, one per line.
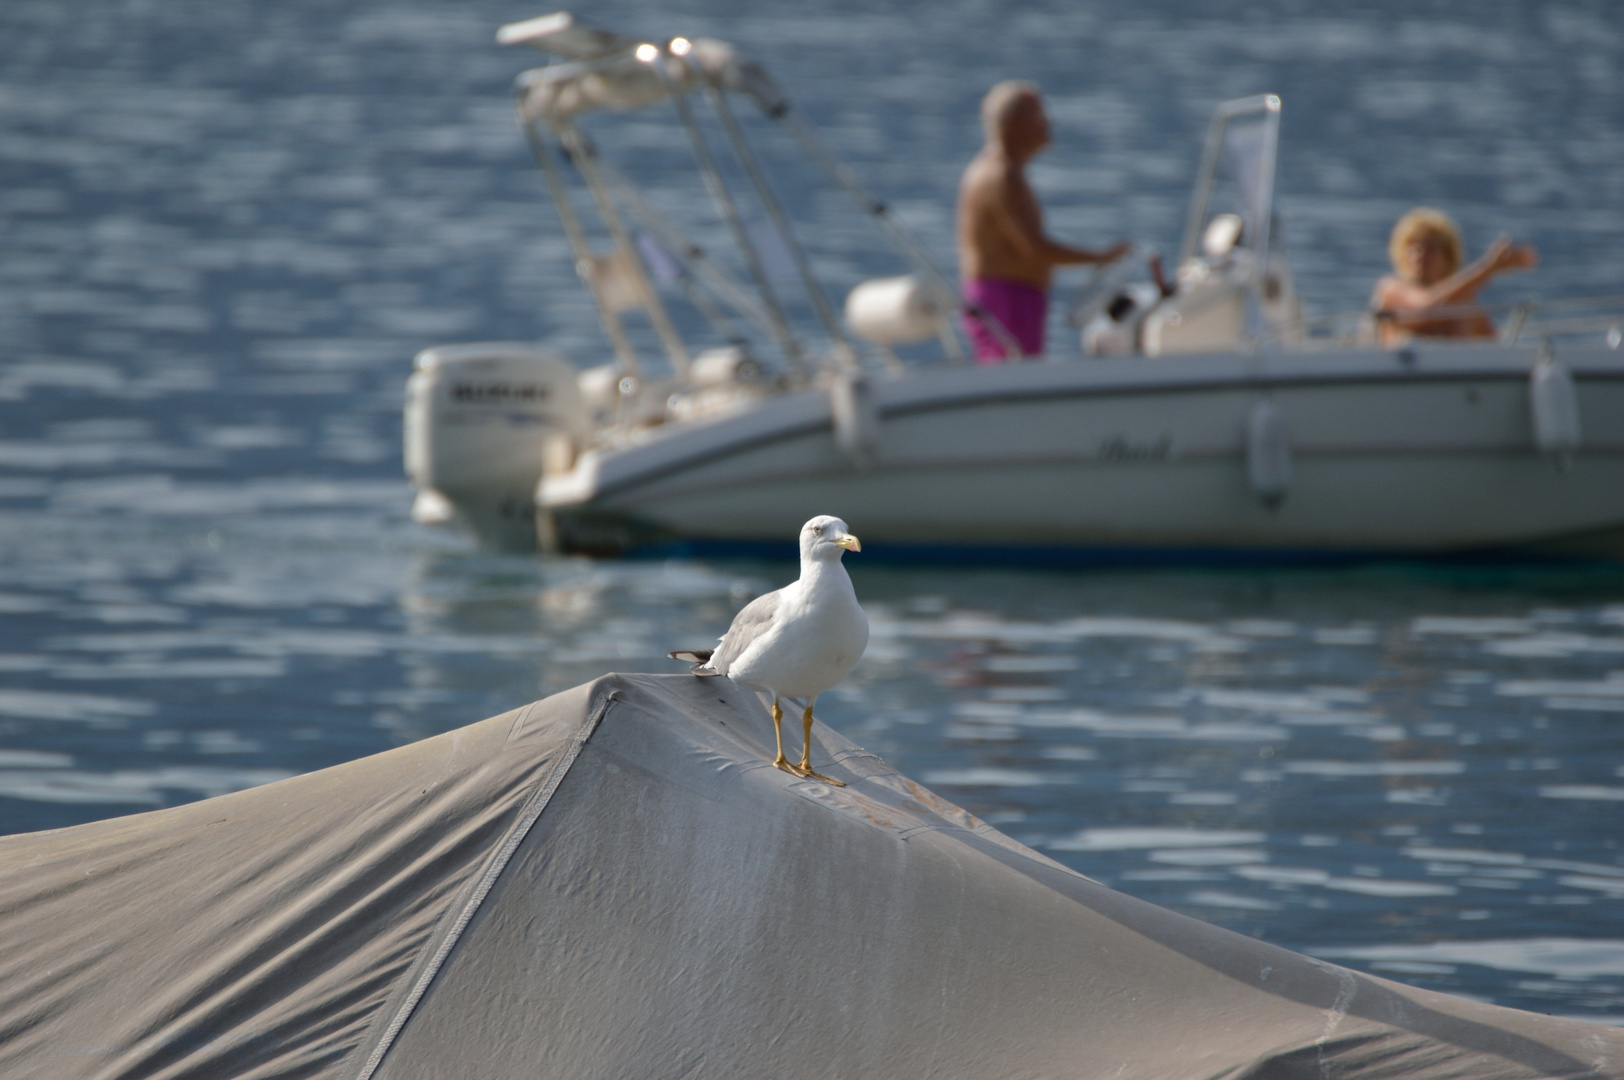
[615,883]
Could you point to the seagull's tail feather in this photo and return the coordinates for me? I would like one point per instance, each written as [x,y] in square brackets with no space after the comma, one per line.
[692,656]
[697,657]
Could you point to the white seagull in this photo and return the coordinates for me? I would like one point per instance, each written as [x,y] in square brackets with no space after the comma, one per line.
[798,641]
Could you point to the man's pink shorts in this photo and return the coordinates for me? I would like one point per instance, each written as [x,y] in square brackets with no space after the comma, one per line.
[1020,307]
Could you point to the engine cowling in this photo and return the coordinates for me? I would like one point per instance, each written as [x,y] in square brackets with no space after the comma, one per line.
[480,421]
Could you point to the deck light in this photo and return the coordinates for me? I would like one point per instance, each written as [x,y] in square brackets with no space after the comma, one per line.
[680,46]
[647,53]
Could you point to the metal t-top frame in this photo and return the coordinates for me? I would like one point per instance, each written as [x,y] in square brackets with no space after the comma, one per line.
[601,69]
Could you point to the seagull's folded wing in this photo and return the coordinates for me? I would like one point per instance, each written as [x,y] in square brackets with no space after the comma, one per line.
[749,626]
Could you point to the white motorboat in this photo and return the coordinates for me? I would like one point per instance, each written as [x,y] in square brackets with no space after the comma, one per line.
[1206,419]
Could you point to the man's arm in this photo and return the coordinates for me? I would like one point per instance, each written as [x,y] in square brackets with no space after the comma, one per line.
[1020,220]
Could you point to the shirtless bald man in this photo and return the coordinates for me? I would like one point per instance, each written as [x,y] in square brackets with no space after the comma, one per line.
[1005,260]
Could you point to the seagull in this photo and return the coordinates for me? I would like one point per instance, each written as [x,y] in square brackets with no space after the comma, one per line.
[798,641]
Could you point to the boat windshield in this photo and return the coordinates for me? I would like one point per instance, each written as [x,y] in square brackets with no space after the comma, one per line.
[1236,177]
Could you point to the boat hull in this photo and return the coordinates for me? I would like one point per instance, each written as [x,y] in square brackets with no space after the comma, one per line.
[1424,452]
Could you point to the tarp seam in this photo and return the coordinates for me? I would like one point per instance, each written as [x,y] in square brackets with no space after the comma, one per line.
[482,887]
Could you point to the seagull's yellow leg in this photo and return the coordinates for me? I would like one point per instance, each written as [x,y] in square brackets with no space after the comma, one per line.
[806,750]
[778,730]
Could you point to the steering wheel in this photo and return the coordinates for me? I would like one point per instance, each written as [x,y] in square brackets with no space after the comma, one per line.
[1097,292]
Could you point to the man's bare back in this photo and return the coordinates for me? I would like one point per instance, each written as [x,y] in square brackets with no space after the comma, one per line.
[998,215]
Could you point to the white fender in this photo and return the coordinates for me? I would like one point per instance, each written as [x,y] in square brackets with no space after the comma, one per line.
[856,417]
[1268,452]
[1553,402]
[896,311]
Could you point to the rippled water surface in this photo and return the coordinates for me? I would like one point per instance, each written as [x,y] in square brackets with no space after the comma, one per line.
[226,227]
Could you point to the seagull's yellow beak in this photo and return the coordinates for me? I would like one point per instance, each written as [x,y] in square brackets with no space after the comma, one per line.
[849,542]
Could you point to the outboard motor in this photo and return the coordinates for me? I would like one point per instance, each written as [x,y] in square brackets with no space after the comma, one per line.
[481,422]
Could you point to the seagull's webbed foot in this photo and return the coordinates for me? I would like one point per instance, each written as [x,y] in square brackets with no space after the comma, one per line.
[805,767]
[793,769]
[812,774]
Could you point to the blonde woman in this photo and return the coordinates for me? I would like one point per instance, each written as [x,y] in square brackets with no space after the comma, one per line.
[1432,294]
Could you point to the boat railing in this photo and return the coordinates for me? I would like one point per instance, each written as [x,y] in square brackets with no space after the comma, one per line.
[1587,320]
[1571,318]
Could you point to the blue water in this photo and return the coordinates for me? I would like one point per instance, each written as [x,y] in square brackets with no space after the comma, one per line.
[226,227]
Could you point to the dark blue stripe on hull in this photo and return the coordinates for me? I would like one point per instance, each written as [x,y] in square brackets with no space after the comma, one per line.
[1055,557]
